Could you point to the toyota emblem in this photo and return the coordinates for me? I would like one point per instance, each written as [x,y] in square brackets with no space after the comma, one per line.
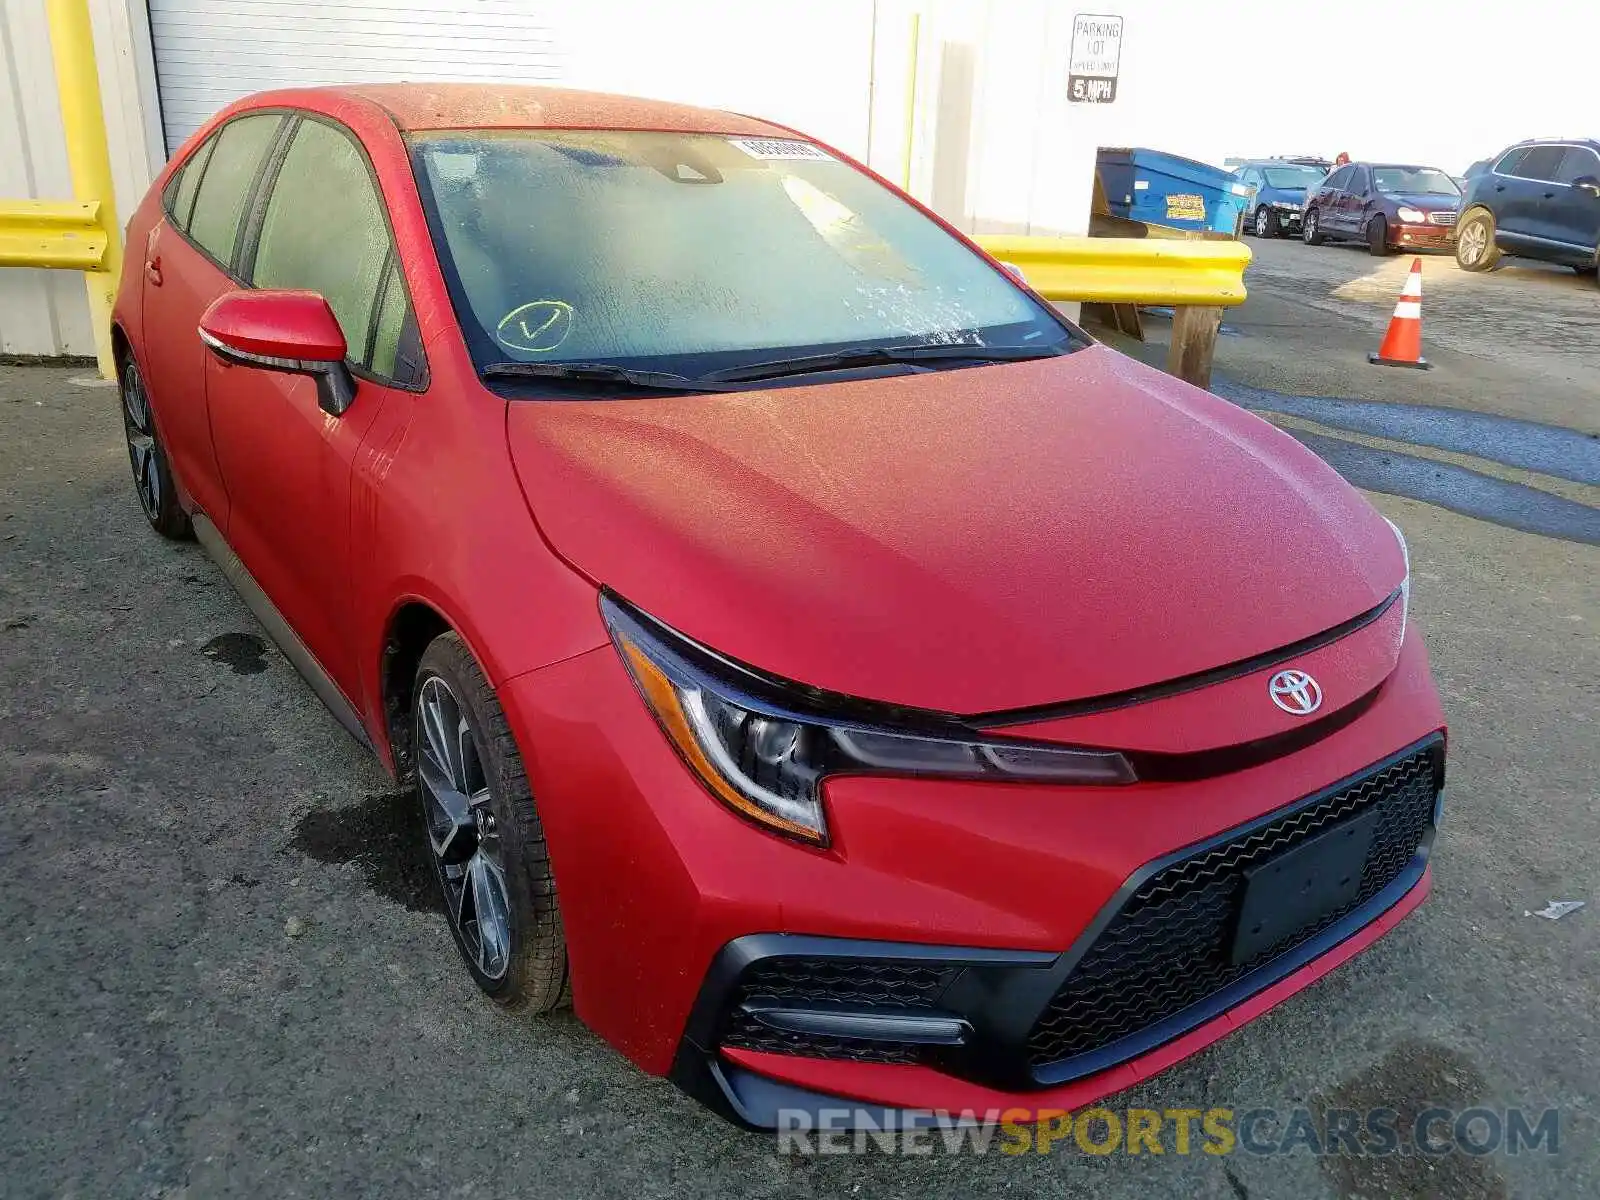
[1295,692]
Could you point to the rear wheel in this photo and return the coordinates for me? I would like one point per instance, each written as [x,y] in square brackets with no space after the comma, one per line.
[1267,225]
[1311,228]
[1378,237]
[484,834]
[152,475]
[1475,248]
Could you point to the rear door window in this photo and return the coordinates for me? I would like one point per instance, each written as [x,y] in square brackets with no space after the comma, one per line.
[1541,163]
[325,229]
[227,181]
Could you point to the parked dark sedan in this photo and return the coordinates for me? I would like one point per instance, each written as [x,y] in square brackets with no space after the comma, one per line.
[1388,206]
[1280,192]
[1537,200]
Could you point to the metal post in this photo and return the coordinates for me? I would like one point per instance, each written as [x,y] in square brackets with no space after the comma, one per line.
[910,140]
[83,123]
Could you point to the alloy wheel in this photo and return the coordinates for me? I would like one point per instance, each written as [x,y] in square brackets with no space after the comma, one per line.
[1263,222]
[461,827]
[141,434]
[1472,242]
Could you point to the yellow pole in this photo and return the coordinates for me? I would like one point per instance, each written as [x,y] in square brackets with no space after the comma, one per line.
[83,122]
[911,104]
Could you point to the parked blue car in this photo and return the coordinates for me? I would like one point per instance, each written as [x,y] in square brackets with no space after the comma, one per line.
[1539,199]
[1280,187]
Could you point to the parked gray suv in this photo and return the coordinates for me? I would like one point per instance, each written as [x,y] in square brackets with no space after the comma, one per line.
[1538,199]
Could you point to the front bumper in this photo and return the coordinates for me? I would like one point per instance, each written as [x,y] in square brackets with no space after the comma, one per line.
[766,1091]
[1154,966]
[1422,237]
[991,895]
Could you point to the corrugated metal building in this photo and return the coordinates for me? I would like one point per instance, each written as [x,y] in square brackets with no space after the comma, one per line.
[989,138]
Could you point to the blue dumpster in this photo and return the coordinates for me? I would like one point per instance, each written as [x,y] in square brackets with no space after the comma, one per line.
[1164,189]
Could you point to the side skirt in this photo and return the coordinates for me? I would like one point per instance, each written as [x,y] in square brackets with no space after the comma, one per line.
[278,629]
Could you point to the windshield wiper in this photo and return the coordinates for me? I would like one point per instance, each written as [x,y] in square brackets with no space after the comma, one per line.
[597,372]
[872,356]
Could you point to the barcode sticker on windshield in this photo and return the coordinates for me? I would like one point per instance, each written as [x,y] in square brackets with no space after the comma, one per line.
[778,148]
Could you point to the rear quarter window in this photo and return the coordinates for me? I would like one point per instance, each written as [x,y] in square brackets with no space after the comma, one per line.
[183,186]
[1507,165]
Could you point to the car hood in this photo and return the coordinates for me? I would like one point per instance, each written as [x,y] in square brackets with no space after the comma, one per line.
[967,540]
[1294,195]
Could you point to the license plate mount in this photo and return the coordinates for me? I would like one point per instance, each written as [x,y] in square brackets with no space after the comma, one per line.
[1319,876]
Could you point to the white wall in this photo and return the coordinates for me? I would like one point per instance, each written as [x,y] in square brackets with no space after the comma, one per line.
[804,63]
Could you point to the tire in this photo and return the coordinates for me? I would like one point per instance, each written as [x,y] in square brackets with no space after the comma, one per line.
[1475,248]
[1311,228]
[499,825]
[1267,224]
[147,457]
[1378,237]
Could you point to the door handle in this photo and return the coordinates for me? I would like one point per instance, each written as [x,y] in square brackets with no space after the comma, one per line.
[1549,195]
[1499,187]
[152,270]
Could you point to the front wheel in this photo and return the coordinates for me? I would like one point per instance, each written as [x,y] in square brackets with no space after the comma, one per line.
[1378,237]
[484,835]
[152,474]
[1475,248]
[1311,228]
[1266,222]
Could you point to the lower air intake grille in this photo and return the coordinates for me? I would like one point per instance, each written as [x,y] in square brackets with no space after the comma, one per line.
[1170,945]
[840,983]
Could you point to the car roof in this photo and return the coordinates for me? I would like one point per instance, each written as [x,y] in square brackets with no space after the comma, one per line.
[419,106]
[1592,143]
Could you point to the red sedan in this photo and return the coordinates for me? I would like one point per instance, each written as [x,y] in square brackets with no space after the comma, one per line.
[843,678]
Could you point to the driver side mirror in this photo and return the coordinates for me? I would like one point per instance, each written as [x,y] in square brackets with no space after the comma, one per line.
[293,332]
[1587,183]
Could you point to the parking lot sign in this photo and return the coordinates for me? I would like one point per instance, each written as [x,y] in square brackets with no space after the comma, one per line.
[1096,56]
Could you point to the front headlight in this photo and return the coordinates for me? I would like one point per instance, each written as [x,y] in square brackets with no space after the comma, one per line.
[1405,584]
[1289,204]
[1413,215]
[763,747]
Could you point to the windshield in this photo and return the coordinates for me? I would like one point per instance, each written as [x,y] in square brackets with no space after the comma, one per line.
[1293,177]
[1414,181]
[694,253]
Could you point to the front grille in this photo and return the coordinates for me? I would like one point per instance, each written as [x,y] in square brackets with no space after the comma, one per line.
[1442,218]
[836,983]
[1169,946]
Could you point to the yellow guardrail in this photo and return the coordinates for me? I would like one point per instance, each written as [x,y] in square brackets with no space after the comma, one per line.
[45,233]
[81,235]
[1127,270]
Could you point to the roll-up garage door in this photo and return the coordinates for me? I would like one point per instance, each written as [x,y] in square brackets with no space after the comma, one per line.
[210,52]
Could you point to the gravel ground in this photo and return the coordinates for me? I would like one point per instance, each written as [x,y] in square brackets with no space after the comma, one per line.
[1538,317]
[221,971]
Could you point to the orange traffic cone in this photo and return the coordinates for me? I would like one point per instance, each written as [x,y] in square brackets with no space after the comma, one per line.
[1402,345]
